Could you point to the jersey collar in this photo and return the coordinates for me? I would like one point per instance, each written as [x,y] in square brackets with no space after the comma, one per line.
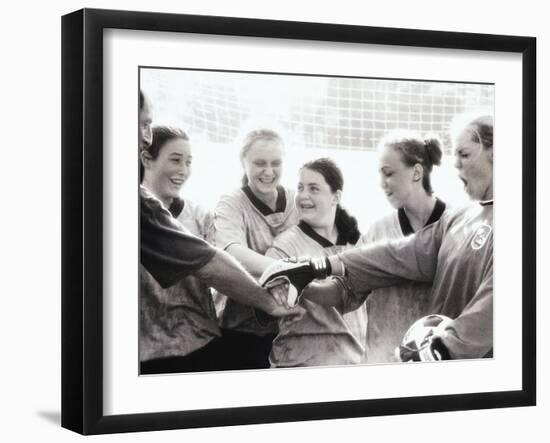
[310,232]
[436,214]
[280,205]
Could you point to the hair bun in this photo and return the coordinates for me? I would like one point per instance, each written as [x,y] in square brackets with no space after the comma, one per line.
[433,150]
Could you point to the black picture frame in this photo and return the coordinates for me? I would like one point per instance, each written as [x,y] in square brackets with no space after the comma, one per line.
[82,218]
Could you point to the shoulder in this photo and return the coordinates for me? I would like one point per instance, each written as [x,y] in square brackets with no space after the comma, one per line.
[152,210]
[195,210]
[388,220]
[459,213]
[231,200]
[148,199]
[289,236]
[234,195]
[286,240]
[382,228]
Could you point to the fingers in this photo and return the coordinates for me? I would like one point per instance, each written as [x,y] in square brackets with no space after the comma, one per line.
[277,281]
[280,294]
[292,314]
[296,313]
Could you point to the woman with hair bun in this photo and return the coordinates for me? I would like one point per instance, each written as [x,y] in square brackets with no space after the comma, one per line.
[406,163]
[324,336]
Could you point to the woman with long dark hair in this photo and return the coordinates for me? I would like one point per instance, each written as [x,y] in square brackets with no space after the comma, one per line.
[324,336]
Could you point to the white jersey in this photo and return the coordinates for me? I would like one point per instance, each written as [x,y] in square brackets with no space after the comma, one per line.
[197,220]
[241,218]
[324,336]
[394,309]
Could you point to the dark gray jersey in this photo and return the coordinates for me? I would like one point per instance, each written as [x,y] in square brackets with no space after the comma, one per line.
[456,254]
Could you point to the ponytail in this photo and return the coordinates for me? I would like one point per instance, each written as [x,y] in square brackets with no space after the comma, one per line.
[347,225]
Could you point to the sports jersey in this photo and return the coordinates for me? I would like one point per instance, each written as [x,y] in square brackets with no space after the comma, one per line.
[194,217]
[241,218]
[324,336]
[394,309]
[456,255]
[180,319]
[167,250]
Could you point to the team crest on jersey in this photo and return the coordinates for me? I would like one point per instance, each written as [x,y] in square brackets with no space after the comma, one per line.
[481,236]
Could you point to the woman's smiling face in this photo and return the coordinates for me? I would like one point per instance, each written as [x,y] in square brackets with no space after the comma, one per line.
[167,173]
[263,164]
[315,201]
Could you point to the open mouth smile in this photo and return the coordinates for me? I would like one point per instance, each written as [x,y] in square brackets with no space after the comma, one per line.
[177,181]
[266,181]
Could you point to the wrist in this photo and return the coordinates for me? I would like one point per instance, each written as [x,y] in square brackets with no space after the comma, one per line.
[321,267]
[265,302]
[336,265]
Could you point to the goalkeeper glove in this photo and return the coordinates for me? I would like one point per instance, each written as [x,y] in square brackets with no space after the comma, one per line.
[298,274]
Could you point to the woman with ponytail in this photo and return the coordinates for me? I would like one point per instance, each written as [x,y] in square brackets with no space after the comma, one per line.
[406,163]
[324,336]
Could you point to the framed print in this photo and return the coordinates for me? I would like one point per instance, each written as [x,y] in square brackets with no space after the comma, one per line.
[358,157]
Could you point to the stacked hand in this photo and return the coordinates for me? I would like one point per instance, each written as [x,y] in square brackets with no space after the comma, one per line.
[286,279]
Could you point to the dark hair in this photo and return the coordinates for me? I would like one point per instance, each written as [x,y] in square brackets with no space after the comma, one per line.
[251,138]
[345,223]
[414,149]
[161,136]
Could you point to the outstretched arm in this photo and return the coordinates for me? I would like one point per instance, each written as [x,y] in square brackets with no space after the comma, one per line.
[226,275]
[169,252]
[364,268]
[252,261]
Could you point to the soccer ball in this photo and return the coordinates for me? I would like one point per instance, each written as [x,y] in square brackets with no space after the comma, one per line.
[416,343]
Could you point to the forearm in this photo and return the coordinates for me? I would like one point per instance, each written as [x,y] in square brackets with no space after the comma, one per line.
[470,335]
[227,276]
[253,262]
[387,264]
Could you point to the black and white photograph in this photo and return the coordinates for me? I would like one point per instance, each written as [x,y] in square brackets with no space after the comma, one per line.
[308,230]
[292,221]
[316,240]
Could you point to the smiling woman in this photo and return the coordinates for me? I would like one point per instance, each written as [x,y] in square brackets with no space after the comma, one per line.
[167,163]
[325,335]
[178,326]
[246,222]
[166,167]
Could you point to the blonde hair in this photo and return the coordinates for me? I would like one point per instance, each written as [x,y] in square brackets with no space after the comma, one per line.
[251,138]
[480,124]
